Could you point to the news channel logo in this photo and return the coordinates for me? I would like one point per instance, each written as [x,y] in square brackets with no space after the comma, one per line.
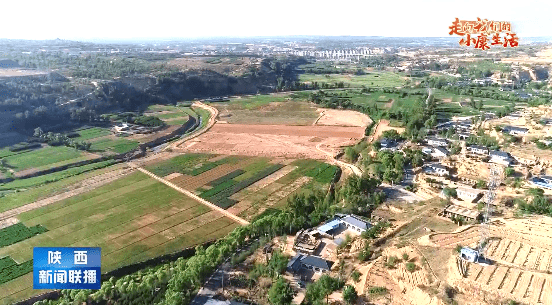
[66,268]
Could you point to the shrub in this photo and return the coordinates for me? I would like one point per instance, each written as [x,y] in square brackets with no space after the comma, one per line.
[405,256]
[458,248]
[411,267]
[391,262]
[377,290]
[356,276]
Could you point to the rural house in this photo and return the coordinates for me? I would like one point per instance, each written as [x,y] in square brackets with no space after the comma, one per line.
[436,169]
[439,152]
[477,149]
[437,142]
[500,157]
[355,223]
[314,263]
[515,131]
[542,181]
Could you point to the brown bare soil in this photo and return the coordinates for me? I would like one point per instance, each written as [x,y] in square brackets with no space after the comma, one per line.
[193,182]
[272,140]
[335,117]
[382,126]
[19,72]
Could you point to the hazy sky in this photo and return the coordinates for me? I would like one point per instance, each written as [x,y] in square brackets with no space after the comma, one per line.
[101,19]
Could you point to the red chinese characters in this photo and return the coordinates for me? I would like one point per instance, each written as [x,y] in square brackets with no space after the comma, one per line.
[500,33]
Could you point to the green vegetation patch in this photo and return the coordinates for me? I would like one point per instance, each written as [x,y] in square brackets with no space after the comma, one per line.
[178,164]
[13,271]
[119,146]
[226,177]
[43,157]
[221,198]
[18,232]
[49,178]
[92,133]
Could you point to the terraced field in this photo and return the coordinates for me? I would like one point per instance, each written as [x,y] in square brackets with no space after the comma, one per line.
[512,283]
[131,219]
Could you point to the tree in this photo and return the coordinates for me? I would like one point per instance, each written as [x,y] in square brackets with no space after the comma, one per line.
[38,132]
[449,192]
[349,294]
[280,293]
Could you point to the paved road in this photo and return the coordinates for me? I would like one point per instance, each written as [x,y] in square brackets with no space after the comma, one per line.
[193,196]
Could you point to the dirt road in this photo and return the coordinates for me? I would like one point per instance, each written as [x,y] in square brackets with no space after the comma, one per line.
[212,120]
[193,196]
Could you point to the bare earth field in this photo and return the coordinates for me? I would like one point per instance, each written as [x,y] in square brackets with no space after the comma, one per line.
[334,117]
[273,140]
[19,72]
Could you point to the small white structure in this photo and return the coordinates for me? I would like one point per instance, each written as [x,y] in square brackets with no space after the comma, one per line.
[515,131]
[437,142]
[468,194]
[436,169]
[500,157]
[477,149]
[469,254]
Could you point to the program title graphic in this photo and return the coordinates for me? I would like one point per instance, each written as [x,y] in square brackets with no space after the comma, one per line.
[500,33]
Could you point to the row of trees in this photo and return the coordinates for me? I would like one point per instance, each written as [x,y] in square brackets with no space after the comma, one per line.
[56,139]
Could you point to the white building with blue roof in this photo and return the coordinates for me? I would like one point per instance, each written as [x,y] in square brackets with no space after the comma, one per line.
[351,222]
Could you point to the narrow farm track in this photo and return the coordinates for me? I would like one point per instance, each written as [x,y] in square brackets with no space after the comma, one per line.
[193,196]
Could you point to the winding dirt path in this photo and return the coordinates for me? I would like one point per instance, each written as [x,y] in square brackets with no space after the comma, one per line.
[212,120]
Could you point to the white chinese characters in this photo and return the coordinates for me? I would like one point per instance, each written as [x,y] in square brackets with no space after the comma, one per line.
[54,257]
[81,257]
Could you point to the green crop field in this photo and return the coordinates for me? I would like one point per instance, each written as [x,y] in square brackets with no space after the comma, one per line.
[117,146]
[49,178]
[372,79]
[92,133]
[269,109]
[132,219]
[178,164]
[14,200]
[44,157]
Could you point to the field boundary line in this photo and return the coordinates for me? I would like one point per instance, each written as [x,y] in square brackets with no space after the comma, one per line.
[193,196]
